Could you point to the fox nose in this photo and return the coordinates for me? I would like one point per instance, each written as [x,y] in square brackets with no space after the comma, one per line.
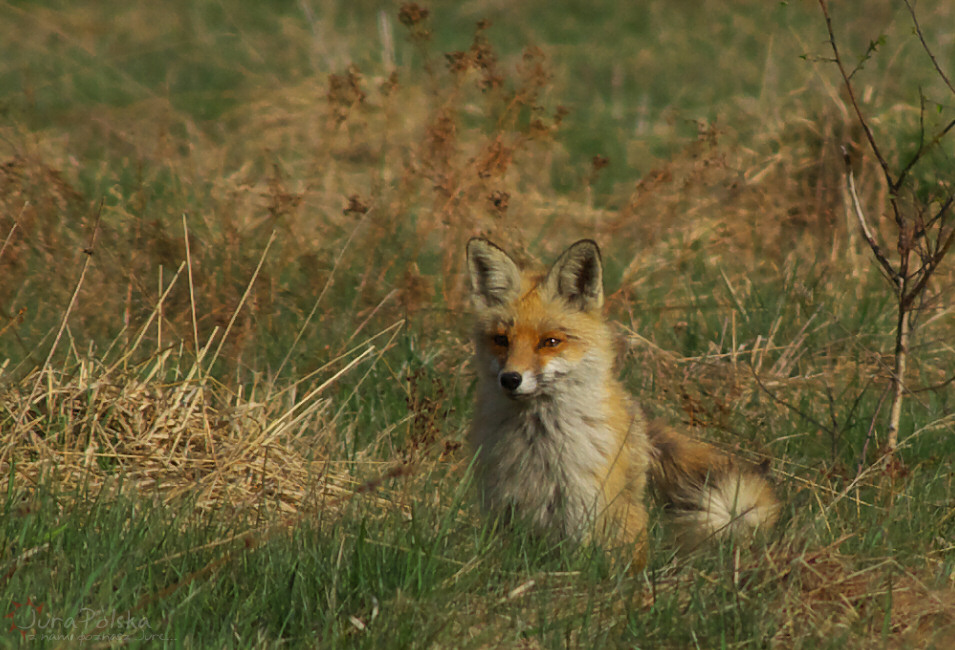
[510,380]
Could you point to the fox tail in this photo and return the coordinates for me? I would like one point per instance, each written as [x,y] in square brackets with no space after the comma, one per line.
[706,493]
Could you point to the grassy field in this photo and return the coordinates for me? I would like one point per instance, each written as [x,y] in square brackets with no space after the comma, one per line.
[234,377]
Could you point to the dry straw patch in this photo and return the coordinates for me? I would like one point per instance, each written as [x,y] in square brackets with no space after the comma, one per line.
[193,438]
[164,440]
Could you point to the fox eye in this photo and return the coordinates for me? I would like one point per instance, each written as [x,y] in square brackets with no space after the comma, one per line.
[499,340]
[550,342]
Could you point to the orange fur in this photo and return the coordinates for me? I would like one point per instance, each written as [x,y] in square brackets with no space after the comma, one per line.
[559,443]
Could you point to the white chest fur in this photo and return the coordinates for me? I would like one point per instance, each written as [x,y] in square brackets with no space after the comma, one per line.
[542,460]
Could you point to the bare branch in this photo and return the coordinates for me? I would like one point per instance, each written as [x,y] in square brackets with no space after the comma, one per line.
[918,30]
[938,215]
[921,151]
[929,268]
[913,234]
[852,98]
[935,387]
[866,231]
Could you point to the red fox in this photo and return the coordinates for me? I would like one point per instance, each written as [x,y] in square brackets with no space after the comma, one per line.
[559,443]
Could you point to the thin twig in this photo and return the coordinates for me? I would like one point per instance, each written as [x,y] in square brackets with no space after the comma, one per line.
[931,266]
[864,225]
[935,387]
[918,31]
[938,216]
[920,152]
[852,97]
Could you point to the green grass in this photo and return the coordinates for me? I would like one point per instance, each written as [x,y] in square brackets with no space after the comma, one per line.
[405,579]
[303,482]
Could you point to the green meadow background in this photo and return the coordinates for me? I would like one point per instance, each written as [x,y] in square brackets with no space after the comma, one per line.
[234,334]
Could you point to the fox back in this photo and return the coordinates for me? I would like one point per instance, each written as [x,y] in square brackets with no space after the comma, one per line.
[559,443]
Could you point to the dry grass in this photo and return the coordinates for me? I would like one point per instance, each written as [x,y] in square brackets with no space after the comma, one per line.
[191,439]
[197,305]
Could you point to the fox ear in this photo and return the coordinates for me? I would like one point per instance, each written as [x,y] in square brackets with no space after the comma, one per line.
[577,276]
[495,278]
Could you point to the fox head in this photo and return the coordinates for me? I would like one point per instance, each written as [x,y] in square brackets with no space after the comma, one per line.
[537,333]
